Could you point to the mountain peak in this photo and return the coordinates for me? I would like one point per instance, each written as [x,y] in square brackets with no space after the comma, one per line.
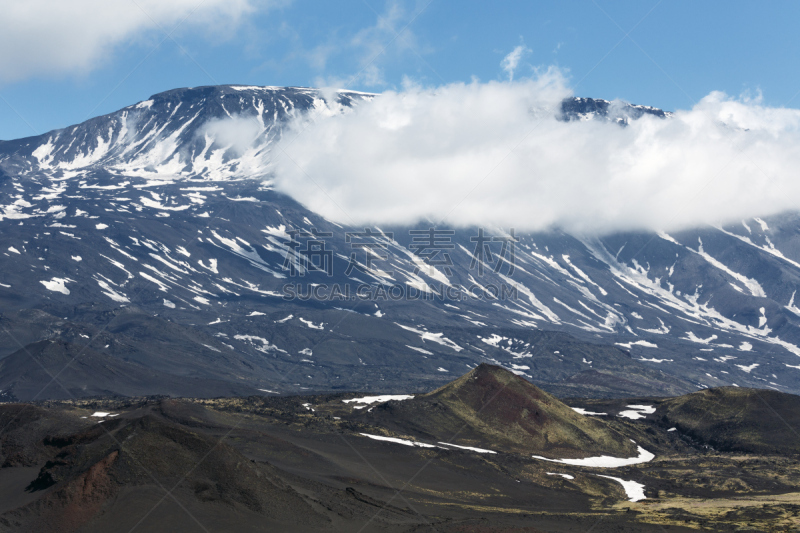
[487,382]
[578,108]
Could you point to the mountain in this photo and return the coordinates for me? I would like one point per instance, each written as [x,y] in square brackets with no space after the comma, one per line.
[492,408]
[152,238]
[593,109]
[144,139]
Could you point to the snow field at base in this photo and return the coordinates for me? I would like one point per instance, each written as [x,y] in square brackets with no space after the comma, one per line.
[604,461]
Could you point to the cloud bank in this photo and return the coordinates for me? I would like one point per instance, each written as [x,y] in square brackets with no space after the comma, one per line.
[494,153]
[56,37]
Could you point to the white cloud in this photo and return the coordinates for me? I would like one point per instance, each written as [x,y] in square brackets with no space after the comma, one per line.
[390,38]
[237,133]
[494,153]
[390,34]
[511,61]
[56,37]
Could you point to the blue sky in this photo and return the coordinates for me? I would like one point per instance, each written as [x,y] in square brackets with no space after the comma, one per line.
[60,66]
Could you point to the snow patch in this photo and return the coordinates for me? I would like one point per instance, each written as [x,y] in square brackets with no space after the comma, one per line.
[470,448]
[420,350]
[399,441]
[438,338]
[565,476]
[637,412]
[604,461]
[57,285]
[311,324]
[634,490]
[368,400]
[637,343]
[582,411]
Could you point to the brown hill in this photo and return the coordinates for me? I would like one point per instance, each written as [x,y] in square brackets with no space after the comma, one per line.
[490,407]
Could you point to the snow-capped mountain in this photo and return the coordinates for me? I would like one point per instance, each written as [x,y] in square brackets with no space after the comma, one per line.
[148,246]
[171,134]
